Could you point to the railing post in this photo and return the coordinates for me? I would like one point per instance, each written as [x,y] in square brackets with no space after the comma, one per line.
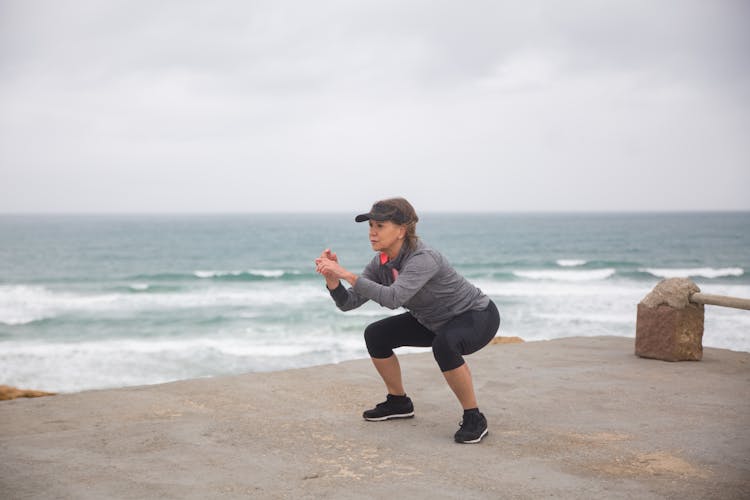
[669,326]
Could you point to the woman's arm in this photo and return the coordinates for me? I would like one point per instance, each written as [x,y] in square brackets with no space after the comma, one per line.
[413,276]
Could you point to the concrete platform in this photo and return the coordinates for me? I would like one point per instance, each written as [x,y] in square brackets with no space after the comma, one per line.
[570,418]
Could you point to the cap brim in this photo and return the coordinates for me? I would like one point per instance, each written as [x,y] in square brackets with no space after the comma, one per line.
[377,217]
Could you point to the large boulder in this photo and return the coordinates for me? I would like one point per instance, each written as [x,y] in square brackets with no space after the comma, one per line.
[668,326]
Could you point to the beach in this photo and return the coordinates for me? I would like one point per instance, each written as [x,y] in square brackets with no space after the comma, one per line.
[568,418]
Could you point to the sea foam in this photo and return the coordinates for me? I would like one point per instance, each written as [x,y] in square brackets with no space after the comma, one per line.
[567,275]
[702,272]
[23,304]
[570,262]
[75,366]
[261,273]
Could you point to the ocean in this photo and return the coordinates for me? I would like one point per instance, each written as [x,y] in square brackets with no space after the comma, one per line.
[91,302]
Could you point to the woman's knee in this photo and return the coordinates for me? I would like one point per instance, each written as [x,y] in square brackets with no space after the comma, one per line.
[376,345]
[447,355]
[371,334]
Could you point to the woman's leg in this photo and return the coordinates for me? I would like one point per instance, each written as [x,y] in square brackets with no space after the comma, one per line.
[459,380]
[390,371]
[463,335]
[383,336]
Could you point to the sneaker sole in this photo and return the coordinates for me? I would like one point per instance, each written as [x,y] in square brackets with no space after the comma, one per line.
[388,417]
[474,441]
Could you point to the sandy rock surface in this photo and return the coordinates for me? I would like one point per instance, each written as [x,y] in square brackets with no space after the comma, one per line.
[570,418]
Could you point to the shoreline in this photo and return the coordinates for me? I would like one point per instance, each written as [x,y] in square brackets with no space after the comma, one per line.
[500,339]
[574,417]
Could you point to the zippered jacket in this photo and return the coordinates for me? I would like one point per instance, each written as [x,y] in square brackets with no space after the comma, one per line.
[421,280]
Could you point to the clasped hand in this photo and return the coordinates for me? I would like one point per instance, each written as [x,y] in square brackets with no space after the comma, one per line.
[328,265]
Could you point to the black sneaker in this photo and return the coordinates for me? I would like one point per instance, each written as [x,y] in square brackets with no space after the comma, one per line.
[392,407]
[473,428]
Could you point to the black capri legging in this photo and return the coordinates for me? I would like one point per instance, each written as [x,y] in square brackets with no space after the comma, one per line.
[464,334]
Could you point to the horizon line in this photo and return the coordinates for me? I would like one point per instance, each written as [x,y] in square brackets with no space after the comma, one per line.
[341,212]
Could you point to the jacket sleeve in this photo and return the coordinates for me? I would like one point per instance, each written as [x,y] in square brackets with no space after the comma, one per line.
[347,299]
[419,269]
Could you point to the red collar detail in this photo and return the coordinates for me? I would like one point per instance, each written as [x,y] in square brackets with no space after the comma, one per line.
[383,258]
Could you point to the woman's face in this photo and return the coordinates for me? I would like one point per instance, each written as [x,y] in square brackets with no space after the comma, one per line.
[386,237]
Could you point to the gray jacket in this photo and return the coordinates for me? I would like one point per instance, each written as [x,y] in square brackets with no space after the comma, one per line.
[426,285]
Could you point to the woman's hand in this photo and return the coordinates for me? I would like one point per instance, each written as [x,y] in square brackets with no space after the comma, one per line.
[332,281]
[327,254]
[328,265]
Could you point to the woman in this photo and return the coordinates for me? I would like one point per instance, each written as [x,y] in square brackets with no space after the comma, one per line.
[445,311]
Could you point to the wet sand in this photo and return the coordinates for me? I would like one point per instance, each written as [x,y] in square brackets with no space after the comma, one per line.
[569,418]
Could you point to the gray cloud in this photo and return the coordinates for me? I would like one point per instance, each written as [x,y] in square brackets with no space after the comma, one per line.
[310,106]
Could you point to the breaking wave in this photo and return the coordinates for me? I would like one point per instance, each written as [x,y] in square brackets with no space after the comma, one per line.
[700,272]
[566,275]
[570,262]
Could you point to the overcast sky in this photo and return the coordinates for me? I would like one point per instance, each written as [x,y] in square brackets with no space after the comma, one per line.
[245,106]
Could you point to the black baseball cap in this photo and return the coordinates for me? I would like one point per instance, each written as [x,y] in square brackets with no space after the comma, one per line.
[383,211]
